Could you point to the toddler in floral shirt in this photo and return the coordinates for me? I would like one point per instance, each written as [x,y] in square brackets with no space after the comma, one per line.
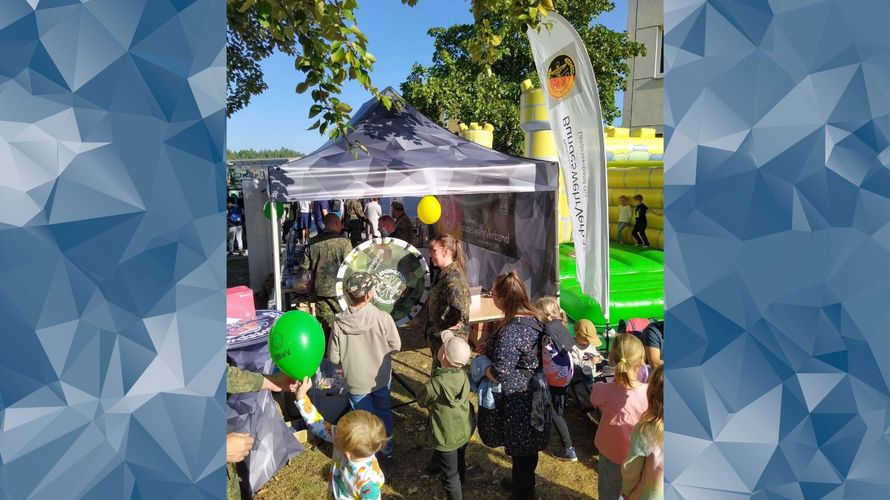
[355,473]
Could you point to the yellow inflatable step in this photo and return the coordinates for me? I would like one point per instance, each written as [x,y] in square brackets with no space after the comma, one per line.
[655,236]
[635,177]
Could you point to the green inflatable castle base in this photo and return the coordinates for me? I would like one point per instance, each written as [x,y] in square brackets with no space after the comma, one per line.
[636,286]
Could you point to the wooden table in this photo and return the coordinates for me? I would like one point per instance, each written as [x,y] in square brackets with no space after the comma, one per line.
[482,313]
[483,310]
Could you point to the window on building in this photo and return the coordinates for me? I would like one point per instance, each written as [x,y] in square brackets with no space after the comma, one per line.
[659,52]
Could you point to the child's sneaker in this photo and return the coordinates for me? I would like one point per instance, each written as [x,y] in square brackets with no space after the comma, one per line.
[568,455]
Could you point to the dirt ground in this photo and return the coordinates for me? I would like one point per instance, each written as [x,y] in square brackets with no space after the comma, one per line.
[305,476]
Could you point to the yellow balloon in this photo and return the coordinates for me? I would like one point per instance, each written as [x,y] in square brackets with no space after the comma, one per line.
[429,210]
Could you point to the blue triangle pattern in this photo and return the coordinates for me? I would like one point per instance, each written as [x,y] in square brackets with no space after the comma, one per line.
[778,247]
[99,396]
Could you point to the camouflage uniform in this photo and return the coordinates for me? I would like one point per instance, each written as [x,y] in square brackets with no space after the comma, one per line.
[448,304]
[404,230]
[353,220]
[352,210]
[238,381]
[326,253]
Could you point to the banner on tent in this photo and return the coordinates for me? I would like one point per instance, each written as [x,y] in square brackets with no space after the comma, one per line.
[531,251]
[576,120]
[485,220]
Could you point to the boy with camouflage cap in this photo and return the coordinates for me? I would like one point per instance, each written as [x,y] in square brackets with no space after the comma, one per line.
[363,339]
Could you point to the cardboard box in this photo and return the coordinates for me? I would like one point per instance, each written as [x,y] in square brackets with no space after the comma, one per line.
[239,304]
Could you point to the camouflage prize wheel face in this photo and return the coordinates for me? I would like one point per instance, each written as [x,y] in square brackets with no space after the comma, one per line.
[402,273]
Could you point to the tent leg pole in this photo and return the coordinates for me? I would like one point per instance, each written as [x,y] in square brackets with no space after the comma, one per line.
[556,224]
[276,256]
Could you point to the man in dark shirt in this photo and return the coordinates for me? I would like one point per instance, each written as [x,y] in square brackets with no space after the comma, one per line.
[387,226]
[235,224]
[320,210]
[653,340]
[404,228]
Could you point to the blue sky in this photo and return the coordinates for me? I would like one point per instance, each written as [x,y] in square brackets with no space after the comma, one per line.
[397,38]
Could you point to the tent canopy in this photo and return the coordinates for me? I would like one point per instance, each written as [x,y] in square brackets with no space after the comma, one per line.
[408,155]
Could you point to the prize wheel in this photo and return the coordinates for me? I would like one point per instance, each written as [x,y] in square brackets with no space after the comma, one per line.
[402,274]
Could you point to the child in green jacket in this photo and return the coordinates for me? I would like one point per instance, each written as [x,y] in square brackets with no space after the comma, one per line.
[451,417]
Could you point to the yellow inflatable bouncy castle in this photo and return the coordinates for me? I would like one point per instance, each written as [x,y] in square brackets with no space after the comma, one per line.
[635,166]
[473,132]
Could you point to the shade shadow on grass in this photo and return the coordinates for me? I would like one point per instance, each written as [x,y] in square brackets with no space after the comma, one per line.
[305,477]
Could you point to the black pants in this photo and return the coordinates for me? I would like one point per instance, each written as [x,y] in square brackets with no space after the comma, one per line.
[354,227]
[562,428]
[453,470]
[558,400]
[524,476]
[639,232]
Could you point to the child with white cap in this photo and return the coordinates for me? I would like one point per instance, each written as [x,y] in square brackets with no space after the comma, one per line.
[451,416]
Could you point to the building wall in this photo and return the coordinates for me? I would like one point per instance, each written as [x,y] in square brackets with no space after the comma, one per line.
[644,97]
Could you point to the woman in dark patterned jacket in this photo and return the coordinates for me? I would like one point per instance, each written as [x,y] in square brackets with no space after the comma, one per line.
[515,354]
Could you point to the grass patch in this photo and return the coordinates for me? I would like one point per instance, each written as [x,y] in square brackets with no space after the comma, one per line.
[305,477]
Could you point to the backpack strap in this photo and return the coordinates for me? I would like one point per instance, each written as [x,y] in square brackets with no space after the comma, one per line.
[536,325]
[559,334]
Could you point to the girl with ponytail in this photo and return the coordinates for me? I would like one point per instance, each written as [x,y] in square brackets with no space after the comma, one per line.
[642,474]
[621,403]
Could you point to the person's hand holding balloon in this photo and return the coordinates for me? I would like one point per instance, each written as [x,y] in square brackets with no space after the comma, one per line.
[302,388]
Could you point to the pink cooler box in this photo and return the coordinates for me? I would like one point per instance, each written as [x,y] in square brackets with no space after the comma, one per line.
[239,304]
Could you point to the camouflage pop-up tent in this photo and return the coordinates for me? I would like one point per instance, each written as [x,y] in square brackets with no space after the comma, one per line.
[501,206]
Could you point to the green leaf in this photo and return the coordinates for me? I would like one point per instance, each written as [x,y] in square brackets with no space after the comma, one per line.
[330,48]
[338,55]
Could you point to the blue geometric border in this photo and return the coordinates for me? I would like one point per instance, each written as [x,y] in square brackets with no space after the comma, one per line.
[777,279]
[112,260]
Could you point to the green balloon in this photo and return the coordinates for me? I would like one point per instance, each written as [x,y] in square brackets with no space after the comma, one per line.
[279,209]
[296,344]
